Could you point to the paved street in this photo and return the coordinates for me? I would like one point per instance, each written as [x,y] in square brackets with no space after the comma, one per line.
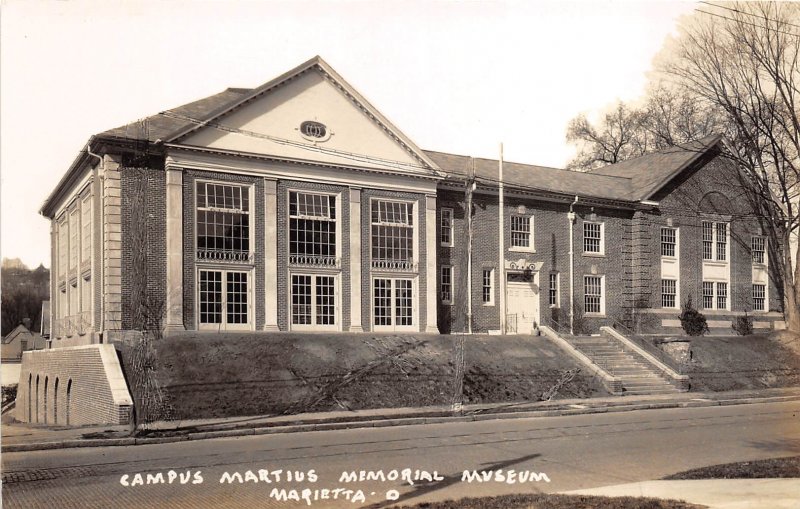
[574,452]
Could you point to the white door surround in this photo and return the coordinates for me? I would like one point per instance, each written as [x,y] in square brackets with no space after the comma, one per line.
[522,298]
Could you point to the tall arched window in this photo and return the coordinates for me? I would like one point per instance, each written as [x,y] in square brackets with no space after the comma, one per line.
[30,396]
[37,398]
[69,398]
[44,398]
[55,402]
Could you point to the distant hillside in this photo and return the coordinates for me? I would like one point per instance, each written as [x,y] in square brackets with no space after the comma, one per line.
[23,291]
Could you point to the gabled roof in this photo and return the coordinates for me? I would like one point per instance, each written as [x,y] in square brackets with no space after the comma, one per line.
[160,127]
[650,172]
[536,178]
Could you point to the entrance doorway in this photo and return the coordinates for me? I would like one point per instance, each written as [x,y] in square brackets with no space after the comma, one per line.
[522,290]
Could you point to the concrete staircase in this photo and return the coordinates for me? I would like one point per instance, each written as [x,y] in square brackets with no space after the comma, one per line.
[637,375]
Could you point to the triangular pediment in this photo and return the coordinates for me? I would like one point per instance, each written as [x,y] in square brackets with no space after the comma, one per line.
[347,131]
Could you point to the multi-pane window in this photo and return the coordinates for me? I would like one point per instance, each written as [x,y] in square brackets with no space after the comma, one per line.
[759,297]
[73,238]
[553,289]
[715,241]
[593,294]
[592,237]
[488,286]
[447,284]
[392,234]
[722,241]
[86,228]
[393,302]
[715,295]
[236,297]
[63,242]
[669,239]
[446,234]
[224,299]
[759,246]
[313,300]
[708,295]
[708,241]
[668,293]
[722,295]
[223,222]
[521,231]
[312,228]
[86,294]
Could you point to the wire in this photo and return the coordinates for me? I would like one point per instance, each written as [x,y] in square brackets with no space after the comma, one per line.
[750,14]
[747,23]
[303,146]
[386,162]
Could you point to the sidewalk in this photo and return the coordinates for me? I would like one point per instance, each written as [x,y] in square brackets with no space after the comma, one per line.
[23,437]
[714,493]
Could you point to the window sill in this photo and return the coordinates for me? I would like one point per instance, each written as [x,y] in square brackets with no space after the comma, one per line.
[594,315]
[516,249]
[594,255]
[555,306]
[669,258]
[445,245]
[487,304]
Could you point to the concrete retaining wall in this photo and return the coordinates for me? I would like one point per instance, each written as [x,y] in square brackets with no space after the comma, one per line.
[73,386]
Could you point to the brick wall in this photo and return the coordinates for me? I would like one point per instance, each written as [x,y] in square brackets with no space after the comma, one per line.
[189,243]
[84,385]
[711,191]
[143,238]
[551,246]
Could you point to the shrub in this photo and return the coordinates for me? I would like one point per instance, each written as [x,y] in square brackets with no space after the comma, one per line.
[9,393]
[693,321]
[743,325]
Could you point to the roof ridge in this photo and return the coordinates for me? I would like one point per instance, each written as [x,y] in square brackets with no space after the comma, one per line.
[661,151]
[571,172]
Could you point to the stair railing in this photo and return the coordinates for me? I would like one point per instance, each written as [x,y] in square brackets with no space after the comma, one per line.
[563,331]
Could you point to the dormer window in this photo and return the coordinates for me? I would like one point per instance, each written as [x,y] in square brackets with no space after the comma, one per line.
[314,131]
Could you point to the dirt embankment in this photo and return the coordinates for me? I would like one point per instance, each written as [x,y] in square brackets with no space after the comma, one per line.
[247,374]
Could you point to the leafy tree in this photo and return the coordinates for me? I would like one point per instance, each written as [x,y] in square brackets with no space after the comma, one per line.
[23,291]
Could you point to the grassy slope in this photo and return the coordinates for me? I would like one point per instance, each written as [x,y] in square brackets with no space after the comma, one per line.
[253,374]
[742,362]
[549,501]
[760,469]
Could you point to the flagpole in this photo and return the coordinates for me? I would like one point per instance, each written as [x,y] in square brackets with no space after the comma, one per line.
[501,271]
[470,189]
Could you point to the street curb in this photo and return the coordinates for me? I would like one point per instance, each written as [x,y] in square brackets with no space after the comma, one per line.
[381,422]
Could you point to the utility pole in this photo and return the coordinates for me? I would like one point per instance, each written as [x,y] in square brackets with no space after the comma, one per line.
[501,263]
[470,189]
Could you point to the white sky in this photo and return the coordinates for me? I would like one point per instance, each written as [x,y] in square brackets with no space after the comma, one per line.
[454,76]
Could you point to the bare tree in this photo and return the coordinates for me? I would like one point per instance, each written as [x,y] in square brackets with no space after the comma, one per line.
[669,116]
[743,58]
[614,139]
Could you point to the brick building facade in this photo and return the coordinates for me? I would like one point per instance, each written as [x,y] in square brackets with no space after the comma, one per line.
[298,206]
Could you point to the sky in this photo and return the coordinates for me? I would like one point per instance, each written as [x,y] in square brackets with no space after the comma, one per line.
[457,77]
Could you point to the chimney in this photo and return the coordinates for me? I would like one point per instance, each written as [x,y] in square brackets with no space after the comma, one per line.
[27,323]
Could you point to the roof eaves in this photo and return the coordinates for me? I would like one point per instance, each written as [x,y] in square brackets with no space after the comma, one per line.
[700,152]
[46,208]
[226,108]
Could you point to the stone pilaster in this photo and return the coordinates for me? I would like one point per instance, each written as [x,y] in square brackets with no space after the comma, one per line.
[431,308]
[355,260]
[271,254]
[112,245]
[174,287]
